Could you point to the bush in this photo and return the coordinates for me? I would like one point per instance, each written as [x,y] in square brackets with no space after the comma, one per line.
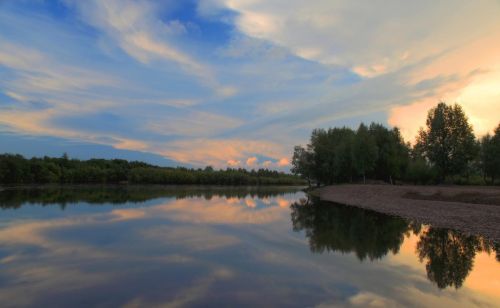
[419,172]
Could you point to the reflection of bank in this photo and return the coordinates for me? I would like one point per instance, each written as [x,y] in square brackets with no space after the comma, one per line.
[448,254]
[120,194]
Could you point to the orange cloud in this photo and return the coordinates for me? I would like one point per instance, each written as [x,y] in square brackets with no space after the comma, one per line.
[480,100]
[410,118]
[233,163]
[220,152]
[252,161]
[473,71]
[283,162]
[130,144]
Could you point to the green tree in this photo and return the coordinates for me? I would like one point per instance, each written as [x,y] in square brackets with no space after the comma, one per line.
[344,155]
[322,150]
[332,154]
[393,153]
[302,163]
[365,151]
[448,140]
[418,171]
[490,155]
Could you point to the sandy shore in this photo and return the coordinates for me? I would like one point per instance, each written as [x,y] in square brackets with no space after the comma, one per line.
[474,210]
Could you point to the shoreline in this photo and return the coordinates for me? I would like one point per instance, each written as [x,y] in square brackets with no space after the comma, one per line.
[473,210]
[122,185]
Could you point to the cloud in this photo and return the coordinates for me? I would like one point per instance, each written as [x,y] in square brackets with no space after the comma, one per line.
[192,123]
[130,144]
[38,123]
[221,152]
[36,72]
[267,163]
[480,98]
[252,161]
[233,163]
[283,162]
[355,35]
[430,56]
[137,29]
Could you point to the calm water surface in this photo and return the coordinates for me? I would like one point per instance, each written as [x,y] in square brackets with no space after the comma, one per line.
[188,246]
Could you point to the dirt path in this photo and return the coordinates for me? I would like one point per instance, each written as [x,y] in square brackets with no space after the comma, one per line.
[474,210]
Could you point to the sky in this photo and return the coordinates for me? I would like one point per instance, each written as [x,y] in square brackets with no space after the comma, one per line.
[235,83]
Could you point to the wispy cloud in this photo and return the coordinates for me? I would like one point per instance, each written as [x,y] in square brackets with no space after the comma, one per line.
[356,35]
[137,29]
[36,72]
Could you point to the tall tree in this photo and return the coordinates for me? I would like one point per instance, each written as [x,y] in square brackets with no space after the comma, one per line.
[344,163]
[393,153]
[365,151]
[490,155]
[331,154]
[302,163]
[322,156]
[448,141]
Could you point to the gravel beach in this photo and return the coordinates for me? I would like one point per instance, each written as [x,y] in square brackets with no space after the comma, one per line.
[474,210]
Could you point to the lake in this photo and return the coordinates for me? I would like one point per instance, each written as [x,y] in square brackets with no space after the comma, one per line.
[181,246]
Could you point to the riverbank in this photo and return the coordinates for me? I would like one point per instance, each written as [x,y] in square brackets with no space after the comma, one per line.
[474,210]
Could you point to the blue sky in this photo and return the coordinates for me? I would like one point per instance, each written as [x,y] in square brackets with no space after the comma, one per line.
[234,83]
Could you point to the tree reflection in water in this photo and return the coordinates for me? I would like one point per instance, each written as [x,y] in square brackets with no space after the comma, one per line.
[13,198]
[348,229]
[448,254]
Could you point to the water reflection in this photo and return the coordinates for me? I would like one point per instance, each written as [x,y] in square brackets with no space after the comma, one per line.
[219,247]
[448,254]
[93,194]
[348,229]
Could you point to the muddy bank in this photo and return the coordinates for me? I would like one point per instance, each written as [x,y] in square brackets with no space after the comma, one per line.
[474,210]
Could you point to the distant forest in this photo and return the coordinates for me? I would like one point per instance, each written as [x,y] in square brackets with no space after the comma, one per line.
[15,169]
[445,151]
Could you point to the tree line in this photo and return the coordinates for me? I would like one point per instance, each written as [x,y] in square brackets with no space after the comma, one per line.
[15,169]
[445,151]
